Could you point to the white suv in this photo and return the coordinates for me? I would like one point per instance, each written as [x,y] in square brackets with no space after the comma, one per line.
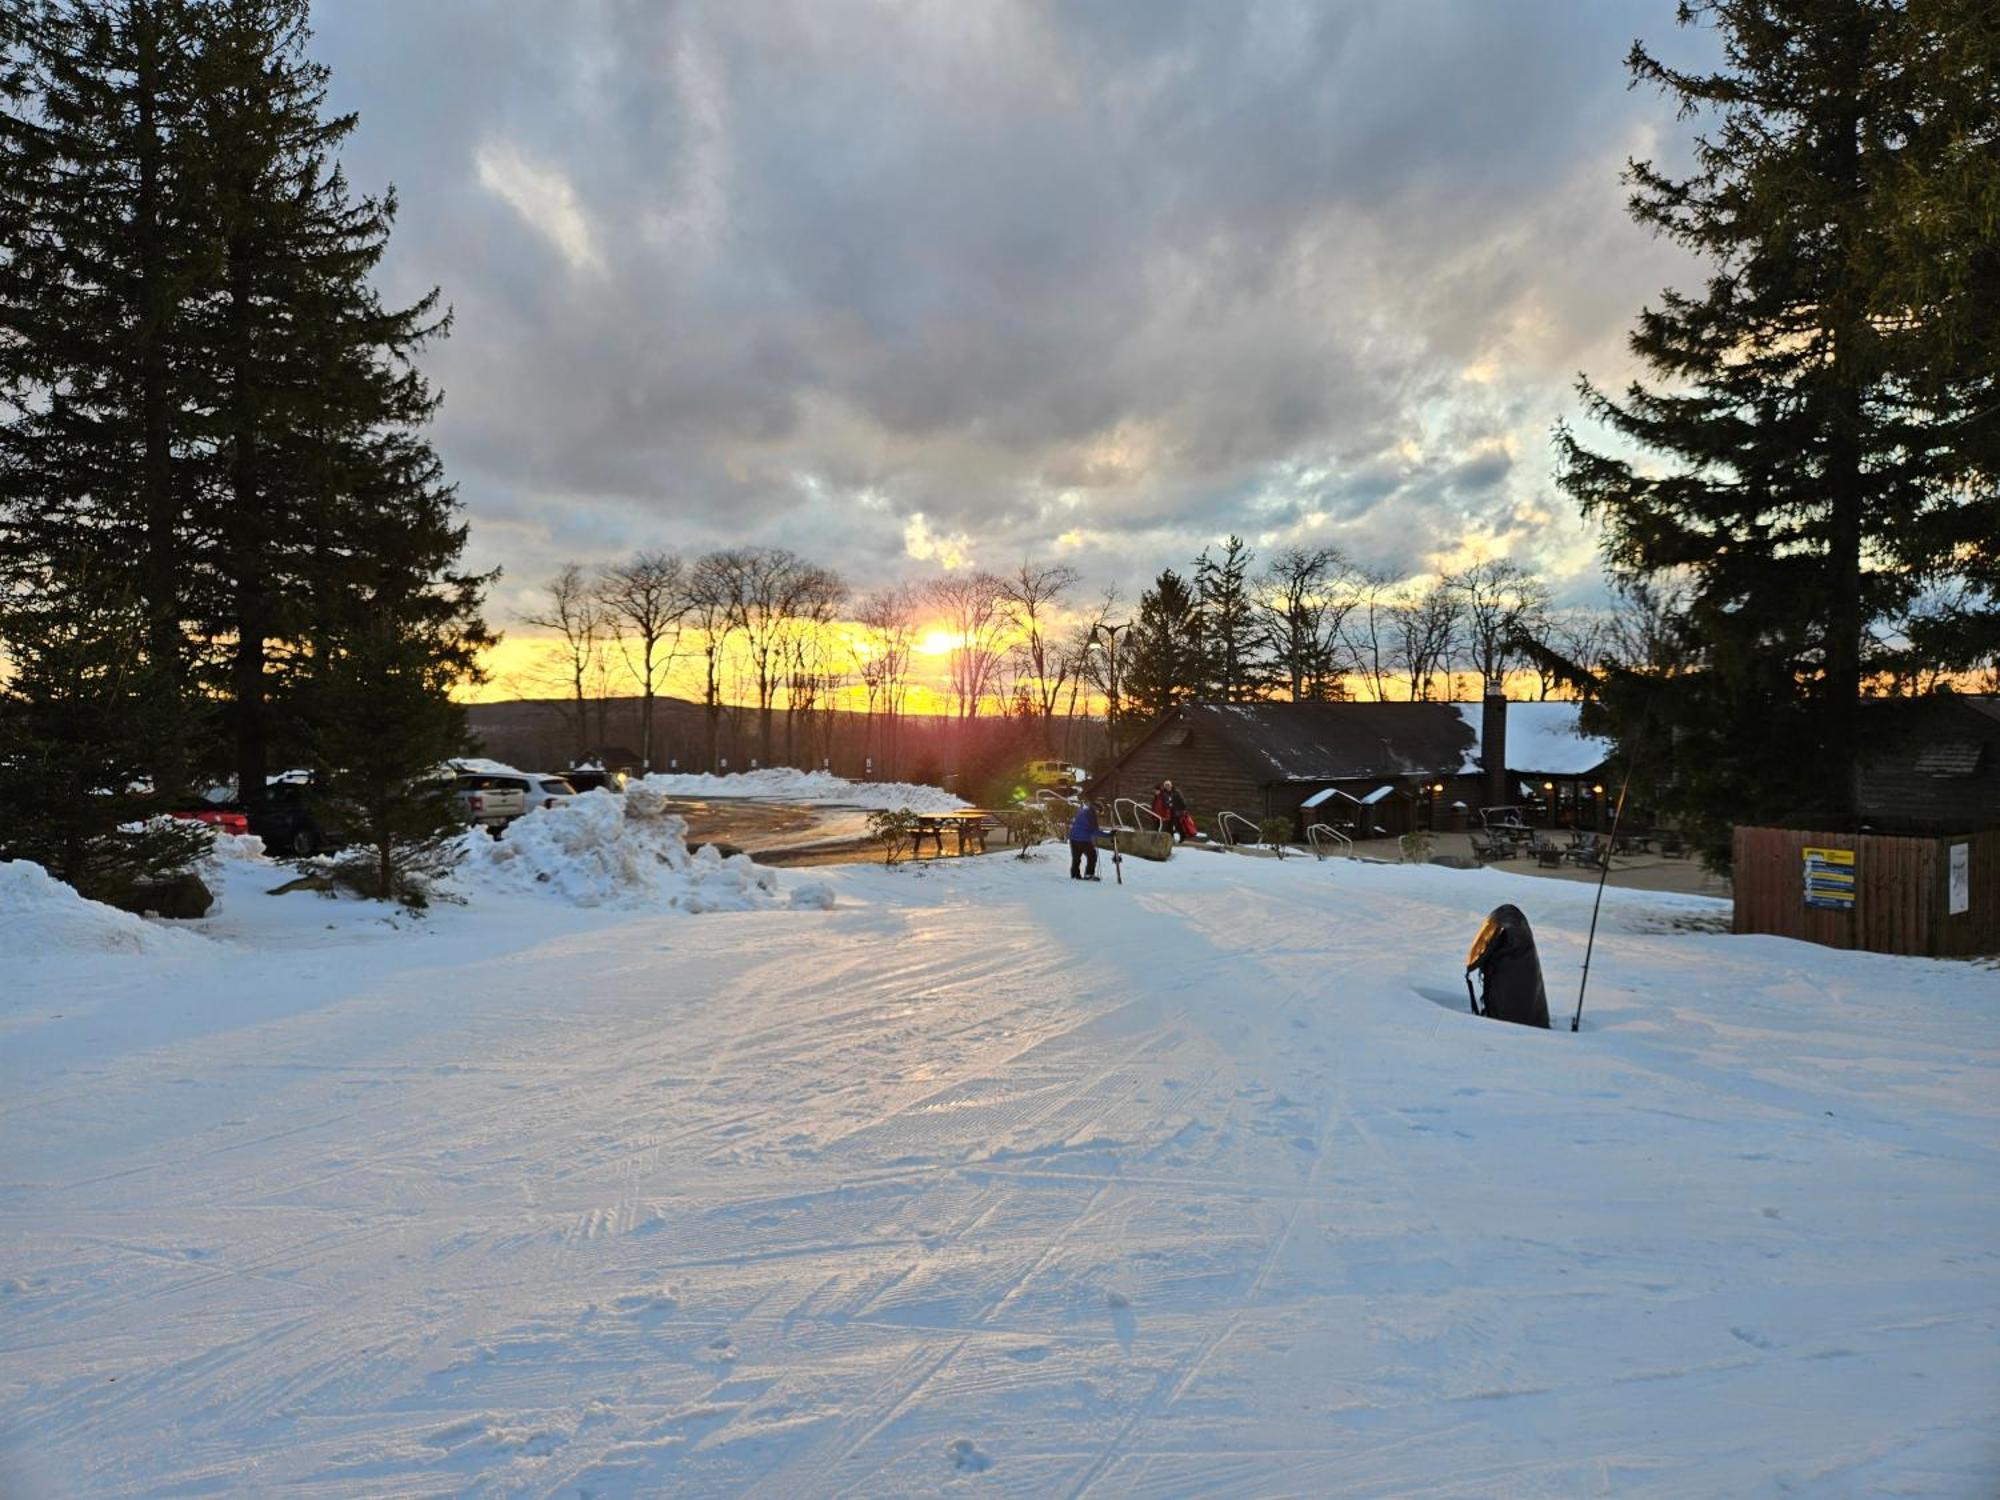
[492,799]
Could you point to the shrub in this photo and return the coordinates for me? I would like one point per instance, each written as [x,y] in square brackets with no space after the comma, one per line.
[893,828]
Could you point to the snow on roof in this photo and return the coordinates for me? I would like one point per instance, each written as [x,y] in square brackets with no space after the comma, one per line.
[479,766]
[1542,738]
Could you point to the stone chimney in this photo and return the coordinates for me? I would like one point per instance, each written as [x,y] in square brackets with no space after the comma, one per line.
[1493,746]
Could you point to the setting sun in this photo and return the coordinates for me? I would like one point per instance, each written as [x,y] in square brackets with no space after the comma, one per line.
[939,643]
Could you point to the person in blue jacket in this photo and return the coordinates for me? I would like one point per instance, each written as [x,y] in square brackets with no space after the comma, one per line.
[1083,831]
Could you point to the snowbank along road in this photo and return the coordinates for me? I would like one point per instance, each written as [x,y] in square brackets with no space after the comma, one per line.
[984,1181]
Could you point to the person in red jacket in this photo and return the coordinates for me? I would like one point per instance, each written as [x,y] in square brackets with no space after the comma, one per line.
[1171,808]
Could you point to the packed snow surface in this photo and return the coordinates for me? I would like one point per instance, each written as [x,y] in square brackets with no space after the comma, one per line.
[979,1180]
[809,788]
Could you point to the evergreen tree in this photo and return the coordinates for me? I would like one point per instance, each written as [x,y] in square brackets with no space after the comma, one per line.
[332,511]
[1235,668]
[201,389]
[105,244]
[1943,256]
[1815,480]
[1164,661]
[381,723]
[80,715]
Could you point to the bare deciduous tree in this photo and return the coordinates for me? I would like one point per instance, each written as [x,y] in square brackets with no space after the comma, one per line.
[1304,599]
[766,587]
[1424,626]
[882,649]
[808,647]
[969,605]
[645,601]
[711,614]
[1033,597]
[1367,629]
[1093,649]
[572,614]
[1499,602]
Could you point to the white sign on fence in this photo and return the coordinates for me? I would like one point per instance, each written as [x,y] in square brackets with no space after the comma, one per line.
[1959,888]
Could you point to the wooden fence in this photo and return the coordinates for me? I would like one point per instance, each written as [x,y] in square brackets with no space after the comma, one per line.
[1901,890]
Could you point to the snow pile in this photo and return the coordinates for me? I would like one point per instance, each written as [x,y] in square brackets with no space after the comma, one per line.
[818,897]
[599,849]
[41,915]
[783,784]
[236,847]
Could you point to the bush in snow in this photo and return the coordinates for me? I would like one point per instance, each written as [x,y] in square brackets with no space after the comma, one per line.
[894,827]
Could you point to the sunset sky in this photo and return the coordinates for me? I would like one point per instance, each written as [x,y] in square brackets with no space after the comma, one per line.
[912,286]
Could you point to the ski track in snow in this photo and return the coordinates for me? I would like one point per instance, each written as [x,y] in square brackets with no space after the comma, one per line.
[1203,1185]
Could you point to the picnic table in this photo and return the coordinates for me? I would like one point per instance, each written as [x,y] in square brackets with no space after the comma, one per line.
[968,826]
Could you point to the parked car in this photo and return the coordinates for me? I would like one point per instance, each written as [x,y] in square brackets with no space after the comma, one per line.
[1056,775]
[546,790]
[221,819]
[594,778]
[492,799]
[283,817]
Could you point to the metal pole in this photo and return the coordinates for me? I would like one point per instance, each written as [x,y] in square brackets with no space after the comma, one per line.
[1603,875]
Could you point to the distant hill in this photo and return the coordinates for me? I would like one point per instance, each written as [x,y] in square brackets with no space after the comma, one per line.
[538,734]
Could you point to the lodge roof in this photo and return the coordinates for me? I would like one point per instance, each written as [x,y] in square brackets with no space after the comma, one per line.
[1313,742]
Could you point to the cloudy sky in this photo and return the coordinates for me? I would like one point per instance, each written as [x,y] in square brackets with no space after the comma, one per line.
[910,285]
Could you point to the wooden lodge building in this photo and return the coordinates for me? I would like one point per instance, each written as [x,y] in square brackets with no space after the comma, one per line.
[1377,768]
[1918,870]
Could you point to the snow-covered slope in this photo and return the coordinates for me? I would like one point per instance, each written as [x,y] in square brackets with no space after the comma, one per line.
[983,1180]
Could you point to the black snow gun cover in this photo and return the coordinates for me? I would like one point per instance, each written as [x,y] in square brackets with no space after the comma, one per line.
[1510,972]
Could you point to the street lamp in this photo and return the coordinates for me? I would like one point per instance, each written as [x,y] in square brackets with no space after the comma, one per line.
[1110,650]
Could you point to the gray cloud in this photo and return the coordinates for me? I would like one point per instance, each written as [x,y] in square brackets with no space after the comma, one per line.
[1110,278]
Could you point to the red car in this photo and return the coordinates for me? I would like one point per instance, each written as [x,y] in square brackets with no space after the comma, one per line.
[222,822]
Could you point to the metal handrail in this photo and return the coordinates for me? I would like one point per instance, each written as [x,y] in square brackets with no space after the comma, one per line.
[1325,833]
[1225,818]
[1139,810]
[1056,806]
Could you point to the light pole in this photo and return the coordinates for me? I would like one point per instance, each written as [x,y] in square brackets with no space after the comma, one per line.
[1110,650]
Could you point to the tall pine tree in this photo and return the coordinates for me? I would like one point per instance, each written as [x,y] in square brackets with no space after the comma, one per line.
[106,245]
[202,391]
[1807,474]
[1164,660]
[1236,667]
[332,513]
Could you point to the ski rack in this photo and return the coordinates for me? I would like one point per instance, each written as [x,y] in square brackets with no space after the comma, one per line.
[1225,818]
[1322,836]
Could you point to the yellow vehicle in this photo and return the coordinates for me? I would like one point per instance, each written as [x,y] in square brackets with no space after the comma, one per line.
[1056,775]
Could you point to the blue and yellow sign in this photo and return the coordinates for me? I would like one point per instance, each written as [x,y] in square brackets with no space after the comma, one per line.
[1830,878]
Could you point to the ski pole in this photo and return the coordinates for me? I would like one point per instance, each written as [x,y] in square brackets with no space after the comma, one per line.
[1603,875]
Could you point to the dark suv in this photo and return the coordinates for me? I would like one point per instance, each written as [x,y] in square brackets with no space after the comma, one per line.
[283,818]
